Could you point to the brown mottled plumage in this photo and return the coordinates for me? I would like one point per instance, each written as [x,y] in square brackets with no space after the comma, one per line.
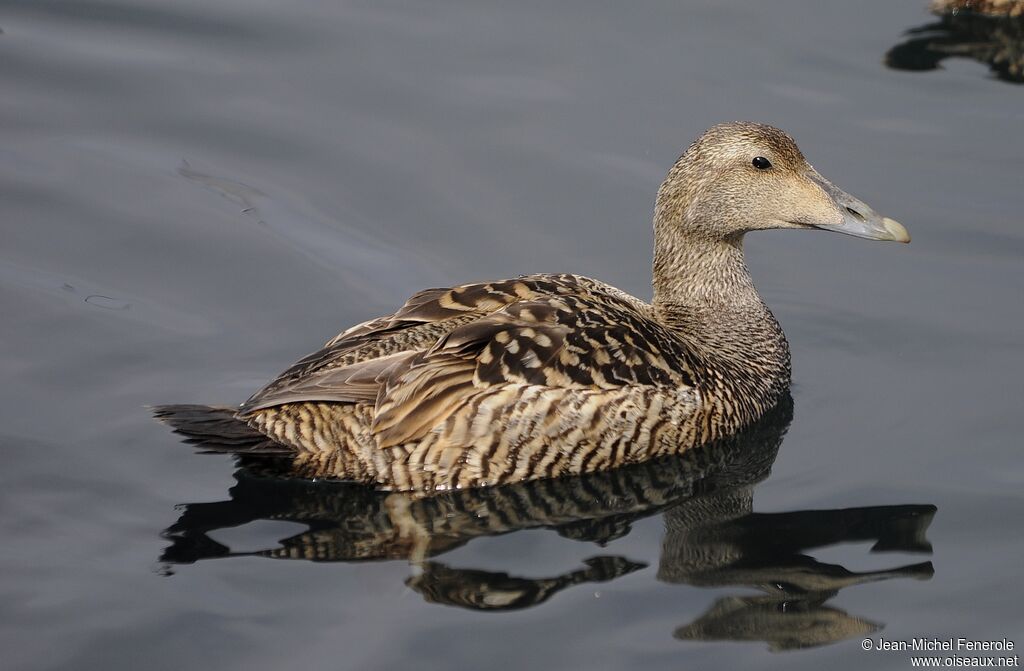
[549,375]
[999,8]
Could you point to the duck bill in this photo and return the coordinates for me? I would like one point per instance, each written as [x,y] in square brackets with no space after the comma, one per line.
[859,220]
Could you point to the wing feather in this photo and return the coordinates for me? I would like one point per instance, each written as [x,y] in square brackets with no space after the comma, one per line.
[426,317]
[420,396]
[424,363]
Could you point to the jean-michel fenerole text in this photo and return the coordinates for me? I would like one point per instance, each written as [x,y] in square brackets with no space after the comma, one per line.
[944,644]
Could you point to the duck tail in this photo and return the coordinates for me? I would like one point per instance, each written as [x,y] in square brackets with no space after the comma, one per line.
[218,430]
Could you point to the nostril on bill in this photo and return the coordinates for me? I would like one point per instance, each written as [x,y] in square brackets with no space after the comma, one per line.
[856,215]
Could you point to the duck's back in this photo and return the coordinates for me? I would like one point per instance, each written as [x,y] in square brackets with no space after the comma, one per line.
[487,383]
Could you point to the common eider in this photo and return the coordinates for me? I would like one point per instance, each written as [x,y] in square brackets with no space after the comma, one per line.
[542,376]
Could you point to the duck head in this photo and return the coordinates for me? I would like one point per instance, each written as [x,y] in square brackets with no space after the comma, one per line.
[740,177]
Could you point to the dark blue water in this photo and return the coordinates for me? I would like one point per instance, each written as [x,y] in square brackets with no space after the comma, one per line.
[195,194]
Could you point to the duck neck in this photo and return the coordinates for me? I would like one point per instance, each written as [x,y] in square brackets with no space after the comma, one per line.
[704,293]
[697,272]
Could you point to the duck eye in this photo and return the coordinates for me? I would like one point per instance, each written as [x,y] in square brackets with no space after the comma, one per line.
[761,163]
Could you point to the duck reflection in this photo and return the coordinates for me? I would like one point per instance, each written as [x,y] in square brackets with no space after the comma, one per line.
[717,541]
[712,536]
[989,31]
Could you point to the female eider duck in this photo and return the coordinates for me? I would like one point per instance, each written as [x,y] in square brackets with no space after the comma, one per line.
[550,375]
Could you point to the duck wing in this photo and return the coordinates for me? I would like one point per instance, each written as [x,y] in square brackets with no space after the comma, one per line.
[346,368]
[445,345]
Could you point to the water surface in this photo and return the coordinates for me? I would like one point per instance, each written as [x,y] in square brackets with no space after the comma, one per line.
[195,194]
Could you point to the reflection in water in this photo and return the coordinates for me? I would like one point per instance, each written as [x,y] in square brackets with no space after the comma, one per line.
[489,590]
[717,541]
[712,537]
[995,39]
